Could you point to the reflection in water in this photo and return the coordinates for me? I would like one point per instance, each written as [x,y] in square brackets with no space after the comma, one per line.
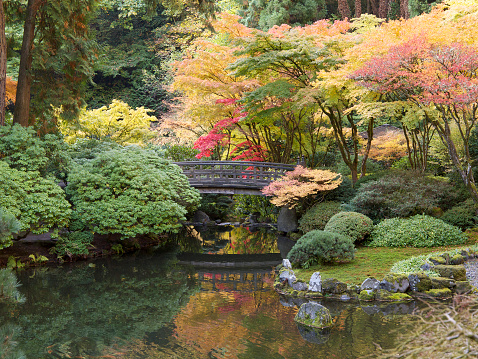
[149,306]
[229,240]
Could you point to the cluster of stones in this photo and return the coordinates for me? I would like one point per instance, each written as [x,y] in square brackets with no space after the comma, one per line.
[393,288]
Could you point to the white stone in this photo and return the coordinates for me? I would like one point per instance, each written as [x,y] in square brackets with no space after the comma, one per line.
[369,283]
[286,263]
[315,283]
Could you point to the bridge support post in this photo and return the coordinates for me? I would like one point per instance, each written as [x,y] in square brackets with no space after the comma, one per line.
[287,220]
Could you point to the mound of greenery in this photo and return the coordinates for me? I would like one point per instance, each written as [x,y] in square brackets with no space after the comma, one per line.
[318,216]
[355,225]
[417,231]
[130,191]
[321,247]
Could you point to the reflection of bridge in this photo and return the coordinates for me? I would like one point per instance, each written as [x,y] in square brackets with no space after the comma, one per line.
[232,272]
[232,177]
[251,280]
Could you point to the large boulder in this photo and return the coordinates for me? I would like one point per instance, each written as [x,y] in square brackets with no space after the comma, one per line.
[287,220]
[200,217]
[396,283]
[456,272]
[419,282]
[314,315]
[333,286]
[299,286]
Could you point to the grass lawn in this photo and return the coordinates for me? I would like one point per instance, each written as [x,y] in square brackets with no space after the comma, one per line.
[368,262]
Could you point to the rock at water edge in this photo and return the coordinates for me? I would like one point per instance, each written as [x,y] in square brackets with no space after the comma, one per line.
[314,315]
[315,283]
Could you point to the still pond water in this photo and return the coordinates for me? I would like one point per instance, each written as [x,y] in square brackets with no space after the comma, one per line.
[152,305]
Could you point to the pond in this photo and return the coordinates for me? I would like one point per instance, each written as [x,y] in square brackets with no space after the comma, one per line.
[152,305]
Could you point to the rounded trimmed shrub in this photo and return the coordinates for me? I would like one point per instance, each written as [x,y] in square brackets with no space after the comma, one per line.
[318,216]
[355,225]
[321,247]
[417,231]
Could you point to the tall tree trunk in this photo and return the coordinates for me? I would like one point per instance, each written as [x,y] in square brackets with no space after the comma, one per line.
[3,65]
[383,9]
[22,101]
[373,4]
[344,9]
[404,12]
[358,8]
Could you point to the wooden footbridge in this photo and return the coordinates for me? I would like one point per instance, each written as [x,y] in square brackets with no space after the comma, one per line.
[232,177]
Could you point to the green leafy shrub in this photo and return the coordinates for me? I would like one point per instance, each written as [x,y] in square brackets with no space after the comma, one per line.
[462,215]
[245,205]
[131,192]
[318,216]
[38,203]
[417,231]
[8,226]
[403,194]
[321,247]
[355,225]
[73,244]
[22,149]
[84,150]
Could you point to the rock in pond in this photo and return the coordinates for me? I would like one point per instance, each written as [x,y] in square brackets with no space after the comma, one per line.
[314,315]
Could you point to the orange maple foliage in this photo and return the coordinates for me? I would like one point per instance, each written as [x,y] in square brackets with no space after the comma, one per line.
[11,87]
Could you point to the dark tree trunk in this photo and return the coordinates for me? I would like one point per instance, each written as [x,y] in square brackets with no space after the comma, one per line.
[22,101]
[373,4]
[404,13]
[383,9]
[358,8]
[3,65]
[344,9]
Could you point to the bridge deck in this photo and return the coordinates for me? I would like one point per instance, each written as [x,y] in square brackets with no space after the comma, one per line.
[232,177]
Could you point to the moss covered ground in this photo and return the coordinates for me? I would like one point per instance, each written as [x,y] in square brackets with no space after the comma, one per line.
[368,262]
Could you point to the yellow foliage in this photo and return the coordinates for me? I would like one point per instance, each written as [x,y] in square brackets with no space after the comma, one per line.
[117,122]
[388,148]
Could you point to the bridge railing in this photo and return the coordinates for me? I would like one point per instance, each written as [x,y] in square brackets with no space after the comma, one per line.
[239,173]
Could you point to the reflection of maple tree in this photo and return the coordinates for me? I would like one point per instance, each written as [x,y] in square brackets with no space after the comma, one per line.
[243,241]
[216,321]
